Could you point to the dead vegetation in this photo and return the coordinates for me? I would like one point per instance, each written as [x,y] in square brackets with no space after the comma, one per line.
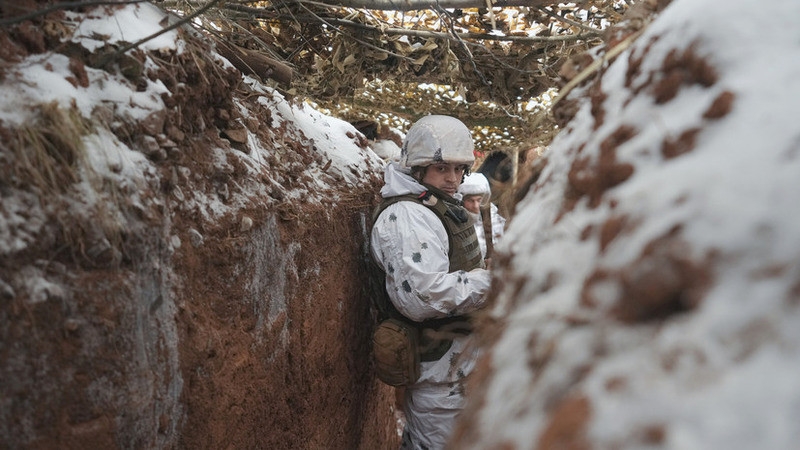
[496,69]
[46,153]
[47,157]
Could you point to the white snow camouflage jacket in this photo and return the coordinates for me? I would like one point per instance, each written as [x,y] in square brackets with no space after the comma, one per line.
[410,244]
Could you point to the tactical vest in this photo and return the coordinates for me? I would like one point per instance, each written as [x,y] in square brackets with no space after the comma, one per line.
[464,254]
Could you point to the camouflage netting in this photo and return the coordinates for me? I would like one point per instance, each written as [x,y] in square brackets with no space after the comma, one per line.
[496,70]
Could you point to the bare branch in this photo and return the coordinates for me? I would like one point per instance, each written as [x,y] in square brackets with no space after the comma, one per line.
[254,63]
[104,60]
[471,36]
[263,14]
[596,65]
[567,21]
[366,44]
[411,5]
[464,46]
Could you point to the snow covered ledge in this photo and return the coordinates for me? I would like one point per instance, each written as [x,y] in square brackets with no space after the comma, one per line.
[649,289]
[180,250]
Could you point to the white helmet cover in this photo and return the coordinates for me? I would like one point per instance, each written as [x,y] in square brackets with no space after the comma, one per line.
[434,139]
[475,184]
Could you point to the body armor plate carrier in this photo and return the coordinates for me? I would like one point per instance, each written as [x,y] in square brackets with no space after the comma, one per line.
[435,335]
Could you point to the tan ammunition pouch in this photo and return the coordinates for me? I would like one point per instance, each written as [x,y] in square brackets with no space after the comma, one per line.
[398,346]
[395,349]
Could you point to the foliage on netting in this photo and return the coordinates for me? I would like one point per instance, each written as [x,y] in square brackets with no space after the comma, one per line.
[395,104]
[487,66]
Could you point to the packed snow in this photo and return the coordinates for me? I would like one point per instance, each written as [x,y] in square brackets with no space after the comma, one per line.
[725,374]
[41,79]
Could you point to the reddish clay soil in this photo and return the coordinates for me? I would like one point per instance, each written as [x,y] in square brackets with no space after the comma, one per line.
[249,334]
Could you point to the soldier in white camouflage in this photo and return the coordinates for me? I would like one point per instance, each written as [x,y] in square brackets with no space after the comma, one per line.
[425,242]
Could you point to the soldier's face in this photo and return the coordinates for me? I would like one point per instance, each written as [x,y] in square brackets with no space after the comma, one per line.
[473,203]
[444,176]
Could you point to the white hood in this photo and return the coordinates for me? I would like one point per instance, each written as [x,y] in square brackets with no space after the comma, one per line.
[398,181]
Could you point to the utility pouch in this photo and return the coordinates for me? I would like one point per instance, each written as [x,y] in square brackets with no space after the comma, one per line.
[395,349]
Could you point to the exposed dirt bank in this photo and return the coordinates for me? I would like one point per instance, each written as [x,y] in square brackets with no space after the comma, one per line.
[213,299]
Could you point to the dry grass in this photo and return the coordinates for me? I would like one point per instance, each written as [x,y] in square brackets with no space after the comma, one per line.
[47,156]
[47,151]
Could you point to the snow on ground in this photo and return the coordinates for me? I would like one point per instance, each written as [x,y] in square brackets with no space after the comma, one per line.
[130,24]
[40,79]
[725,373]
